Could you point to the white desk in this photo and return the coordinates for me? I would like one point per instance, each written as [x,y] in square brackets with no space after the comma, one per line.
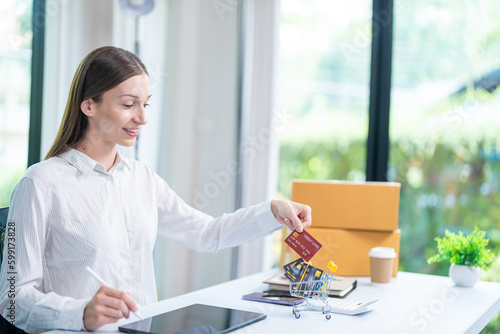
[412,303]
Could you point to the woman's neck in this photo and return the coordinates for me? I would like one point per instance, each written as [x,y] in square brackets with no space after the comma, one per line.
[103,153]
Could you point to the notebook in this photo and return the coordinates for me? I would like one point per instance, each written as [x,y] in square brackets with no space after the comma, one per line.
[338,289]
[194,319]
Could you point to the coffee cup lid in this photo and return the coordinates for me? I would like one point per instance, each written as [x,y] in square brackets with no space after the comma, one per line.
[383,252]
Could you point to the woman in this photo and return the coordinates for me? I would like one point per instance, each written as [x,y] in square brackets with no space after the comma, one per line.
[85,205]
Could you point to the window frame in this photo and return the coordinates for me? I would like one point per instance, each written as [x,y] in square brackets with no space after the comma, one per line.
[377,148]
[37,73]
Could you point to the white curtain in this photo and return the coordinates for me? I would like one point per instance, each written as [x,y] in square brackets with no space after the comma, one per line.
[260,121]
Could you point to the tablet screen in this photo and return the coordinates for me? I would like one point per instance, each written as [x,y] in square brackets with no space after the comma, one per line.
[194,319]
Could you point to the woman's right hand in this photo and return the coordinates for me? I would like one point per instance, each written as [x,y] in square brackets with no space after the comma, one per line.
[107,306]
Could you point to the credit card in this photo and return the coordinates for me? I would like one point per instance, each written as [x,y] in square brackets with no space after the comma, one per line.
[292,269]
[308,274]
[303,244]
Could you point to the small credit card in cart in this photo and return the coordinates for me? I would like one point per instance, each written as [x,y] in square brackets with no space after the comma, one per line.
[304,244]
[292,269]
[307,274]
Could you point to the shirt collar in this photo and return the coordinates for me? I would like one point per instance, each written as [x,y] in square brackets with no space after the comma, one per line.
[121,161]
[87,165]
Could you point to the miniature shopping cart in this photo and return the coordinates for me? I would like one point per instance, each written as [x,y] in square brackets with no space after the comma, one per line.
[315,293]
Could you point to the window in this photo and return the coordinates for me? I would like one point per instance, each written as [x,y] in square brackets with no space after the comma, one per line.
[444,124]
[323,87]
[15,84]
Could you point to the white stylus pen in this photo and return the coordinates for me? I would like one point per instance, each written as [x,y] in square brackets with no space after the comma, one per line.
[100,280]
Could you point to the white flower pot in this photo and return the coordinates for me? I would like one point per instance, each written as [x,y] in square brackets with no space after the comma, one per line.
[465,275]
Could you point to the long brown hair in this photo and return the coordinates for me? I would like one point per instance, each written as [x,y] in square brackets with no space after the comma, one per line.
[101,70]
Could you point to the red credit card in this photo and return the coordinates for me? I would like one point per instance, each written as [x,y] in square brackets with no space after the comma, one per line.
[304,244]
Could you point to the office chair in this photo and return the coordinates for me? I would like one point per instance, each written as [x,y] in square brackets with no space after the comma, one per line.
[5,326]
[4,212]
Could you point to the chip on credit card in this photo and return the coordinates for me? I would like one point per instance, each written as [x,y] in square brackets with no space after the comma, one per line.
[304,244]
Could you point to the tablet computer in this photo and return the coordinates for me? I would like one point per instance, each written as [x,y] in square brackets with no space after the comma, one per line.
[194,319]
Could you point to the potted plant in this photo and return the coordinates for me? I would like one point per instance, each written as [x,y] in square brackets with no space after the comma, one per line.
[466,254]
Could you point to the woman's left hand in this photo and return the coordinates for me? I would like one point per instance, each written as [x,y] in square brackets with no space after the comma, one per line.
[294,215]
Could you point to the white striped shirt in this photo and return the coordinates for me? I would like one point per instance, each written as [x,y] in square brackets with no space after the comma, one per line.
[70,213]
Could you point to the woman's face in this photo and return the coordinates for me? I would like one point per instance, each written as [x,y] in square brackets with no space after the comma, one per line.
[119,116]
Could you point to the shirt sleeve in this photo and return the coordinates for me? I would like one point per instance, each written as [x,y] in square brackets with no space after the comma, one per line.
[194,229]
[22,299]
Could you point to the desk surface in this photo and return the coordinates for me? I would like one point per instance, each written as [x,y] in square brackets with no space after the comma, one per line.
[411,303]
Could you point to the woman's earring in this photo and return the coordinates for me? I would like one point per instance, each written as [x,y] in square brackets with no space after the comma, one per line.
[90,113]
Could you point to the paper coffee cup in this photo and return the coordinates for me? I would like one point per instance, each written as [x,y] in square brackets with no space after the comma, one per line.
[381,264]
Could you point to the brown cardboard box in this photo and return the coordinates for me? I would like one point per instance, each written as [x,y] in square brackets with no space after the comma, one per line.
[350,205]
[348,249]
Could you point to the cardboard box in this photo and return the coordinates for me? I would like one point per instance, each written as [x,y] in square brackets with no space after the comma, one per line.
[349,205]
[348,249]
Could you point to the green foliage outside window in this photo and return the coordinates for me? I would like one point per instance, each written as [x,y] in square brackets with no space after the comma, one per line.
[7,184]
[15,83]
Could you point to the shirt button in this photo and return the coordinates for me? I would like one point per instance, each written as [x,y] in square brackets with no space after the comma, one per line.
[70,323]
